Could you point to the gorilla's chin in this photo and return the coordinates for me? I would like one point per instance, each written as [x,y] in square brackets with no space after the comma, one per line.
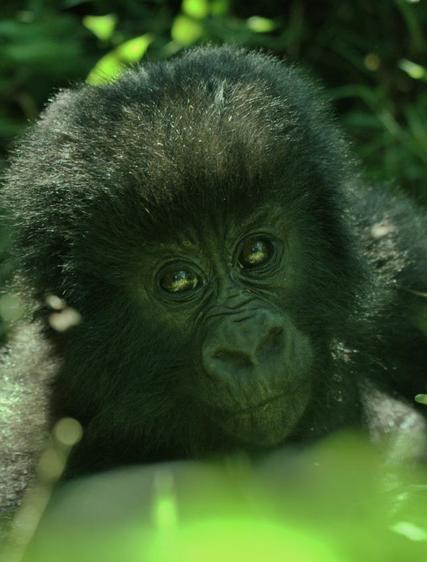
[264,425]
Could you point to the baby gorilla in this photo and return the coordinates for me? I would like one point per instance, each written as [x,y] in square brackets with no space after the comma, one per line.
[238,285]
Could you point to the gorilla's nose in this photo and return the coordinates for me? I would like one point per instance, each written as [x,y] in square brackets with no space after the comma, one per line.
[238,348]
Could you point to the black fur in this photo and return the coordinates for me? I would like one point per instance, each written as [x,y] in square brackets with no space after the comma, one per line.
[110,173]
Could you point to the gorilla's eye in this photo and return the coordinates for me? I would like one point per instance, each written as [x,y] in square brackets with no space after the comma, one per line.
[179,281]
[255,252]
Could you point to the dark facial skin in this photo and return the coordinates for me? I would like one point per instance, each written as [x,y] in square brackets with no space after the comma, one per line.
[224,288]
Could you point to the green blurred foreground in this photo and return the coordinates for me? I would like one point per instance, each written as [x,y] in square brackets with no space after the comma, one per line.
[335,503]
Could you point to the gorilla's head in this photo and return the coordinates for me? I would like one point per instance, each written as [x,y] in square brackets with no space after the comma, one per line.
[193,213]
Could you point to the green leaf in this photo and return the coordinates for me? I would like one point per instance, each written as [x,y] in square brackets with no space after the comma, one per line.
[134,49]
[186,31]
[414,70]
[101,26]
[421,399]
[198,9]
[110,66]
[261,25]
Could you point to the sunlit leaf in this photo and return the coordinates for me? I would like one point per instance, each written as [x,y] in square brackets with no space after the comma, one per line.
[261,25]
[414,70]
[101,26]
[198,9]
[134,49]
[239,539]
[186,31]
[110,66]
[410,531]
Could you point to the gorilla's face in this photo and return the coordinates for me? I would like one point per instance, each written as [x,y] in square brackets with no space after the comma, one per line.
[208,332]
[224,289]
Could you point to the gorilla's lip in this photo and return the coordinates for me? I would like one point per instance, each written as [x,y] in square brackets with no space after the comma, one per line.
[250,409]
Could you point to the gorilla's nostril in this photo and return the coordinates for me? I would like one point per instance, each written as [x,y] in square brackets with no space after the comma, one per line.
[236,359]
[272,342]
[276,332]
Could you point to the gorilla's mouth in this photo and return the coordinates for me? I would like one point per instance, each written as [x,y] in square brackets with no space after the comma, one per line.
[264,405]
[264,424]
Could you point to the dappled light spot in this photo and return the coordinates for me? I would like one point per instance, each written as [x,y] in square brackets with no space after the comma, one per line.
[56,303]
[65,319]
[372,61]
[68,431]
[381,229]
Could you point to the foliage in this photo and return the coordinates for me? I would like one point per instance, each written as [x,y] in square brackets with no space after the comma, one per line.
[333,503]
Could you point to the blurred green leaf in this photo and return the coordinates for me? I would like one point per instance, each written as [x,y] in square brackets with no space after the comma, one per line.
[197,9]
[326,503]
[101,26]
[133,50]
[261,25]
[186,31]
[110,66]
[414,70]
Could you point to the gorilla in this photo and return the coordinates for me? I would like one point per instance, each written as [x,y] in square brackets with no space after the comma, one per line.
[232,282]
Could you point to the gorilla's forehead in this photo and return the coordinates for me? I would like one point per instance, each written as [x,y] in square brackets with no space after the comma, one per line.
[208,137]
[211,233]
[201,142]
